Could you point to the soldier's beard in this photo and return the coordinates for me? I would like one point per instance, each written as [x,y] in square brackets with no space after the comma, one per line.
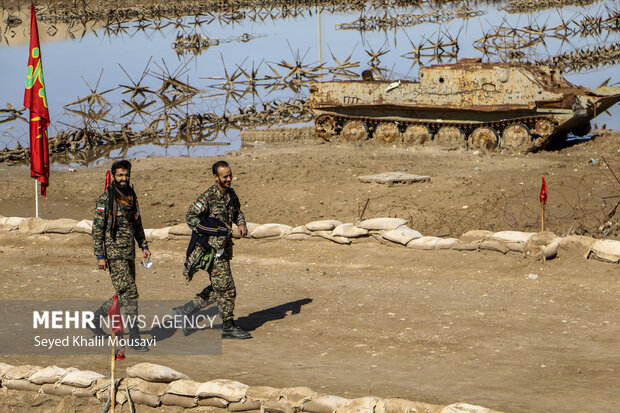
[121,186]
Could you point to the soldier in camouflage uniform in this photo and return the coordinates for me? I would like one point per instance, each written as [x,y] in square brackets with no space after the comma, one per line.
[218,201]
[117,223]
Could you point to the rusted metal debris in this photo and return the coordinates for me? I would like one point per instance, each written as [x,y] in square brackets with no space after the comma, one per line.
[529,6]
[167,129]
[511,41]
[584,59]
[404,20]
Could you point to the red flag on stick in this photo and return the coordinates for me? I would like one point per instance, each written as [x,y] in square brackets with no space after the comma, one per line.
[35,99]
[116,324]
[543,192]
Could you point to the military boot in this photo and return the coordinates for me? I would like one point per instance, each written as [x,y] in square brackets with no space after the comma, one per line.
[183,311]
[134,337]
[230,330]
[97,330]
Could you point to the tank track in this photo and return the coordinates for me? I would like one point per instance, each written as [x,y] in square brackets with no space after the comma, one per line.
[537,130]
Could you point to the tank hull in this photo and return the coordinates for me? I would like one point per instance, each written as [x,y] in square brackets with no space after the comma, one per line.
[468,95]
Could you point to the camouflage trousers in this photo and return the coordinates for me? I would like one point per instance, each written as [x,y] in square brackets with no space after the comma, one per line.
[222,287]
[123,275]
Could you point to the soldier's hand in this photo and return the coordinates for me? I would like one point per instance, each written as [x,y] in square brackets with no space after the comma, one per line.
[102,264]
[147,254]
[243,230]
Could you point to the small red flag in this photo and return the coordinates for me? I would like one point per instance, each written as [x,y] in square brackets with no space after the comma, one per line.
[116,325]
[543,192]
[35,99]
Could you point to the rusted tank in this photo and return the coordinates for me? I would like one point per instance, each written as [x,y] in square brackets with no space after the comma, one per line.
[512,106]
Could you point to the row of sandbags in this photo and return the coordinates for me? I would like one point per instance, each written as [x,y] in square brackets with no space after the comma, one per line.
[155,385]
[544,245]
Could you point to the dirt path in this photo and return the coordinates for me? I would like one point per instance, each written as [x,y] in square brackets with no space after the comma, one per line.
[367,319]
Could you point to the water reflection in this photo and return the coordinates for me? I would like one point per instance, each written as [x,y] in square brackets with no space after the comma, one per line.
[187,73]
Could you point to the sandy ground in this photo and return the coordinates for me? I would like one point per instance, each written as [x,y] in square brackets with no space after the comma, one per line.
[365,319]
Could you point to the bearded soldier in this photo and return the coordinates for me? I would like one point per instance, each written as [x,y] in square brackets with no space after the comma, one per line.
[117,223]
[219,202]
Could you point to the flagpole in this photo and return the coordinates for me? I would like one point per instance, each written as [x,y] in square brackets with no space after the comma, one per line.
[542,217]
[36,198]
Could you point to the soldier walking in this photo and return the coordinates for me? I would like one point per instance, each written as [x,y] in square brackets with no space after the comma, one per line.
[117,223]
[218,201]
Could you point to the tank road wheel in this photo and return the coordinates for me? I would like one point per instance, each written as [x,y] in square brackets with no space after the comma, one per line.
[417,134]
[387,132]
[325,127]
[516,137]
[450,136]
[544,128]
[484,137]
[354,130]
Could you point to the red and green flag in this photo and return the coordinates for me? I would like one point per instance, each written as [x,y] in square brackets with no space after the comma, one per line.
[35,99]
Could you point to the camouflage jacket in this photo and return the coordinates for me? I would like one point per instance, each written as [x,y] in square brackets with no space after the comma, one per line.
[124,246]
[225,207]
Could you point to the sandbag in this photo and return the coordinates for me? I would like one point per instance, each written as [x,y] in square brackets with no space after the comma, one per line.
[13,222]
[297,395]
[80,378]
[464,408]
[20,372]
[362,405]
[251,226]
[296,237]
[48,375]
[424,243]
[551,251]
[328,235]
[154,373]
[4,368]
[512,236]
[84,227]
[40,225]
[349,230]
[300,229]
[384,224]
[148,234]
[401,235]
[180,229]
[493,245]
[20,384]
[213,402]
[263,393]
[61,390]
[270,406]
[516,246]
[245,405]
[576,245]
[231,390]
[271,230]
[2,220]
[445,243]
[154,388]
[323,225]
[144,398]
[176,400]
[542,245]
[465,246]
[161,233]
[394,405]
[184,387]
[475,235]
[606,250]
[324,404]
